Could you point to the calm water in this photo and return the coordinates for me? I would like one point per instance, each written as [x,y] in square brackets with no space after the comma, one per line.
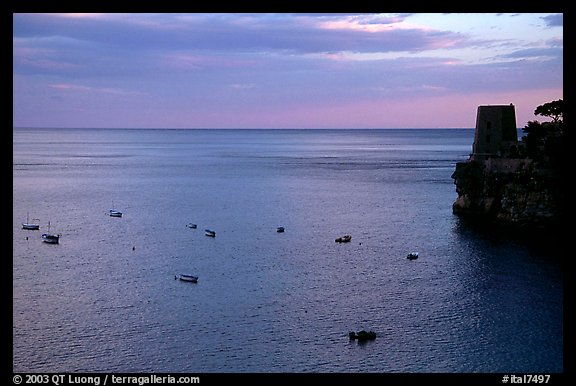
[105,298]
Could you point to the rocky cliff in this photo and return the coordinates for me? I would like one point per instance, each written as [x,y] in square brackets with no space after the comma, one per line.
[508,190]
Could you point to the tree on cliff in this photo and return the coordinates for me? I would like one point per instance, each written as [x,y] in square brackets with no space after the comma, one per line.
[554,110]
[546,142]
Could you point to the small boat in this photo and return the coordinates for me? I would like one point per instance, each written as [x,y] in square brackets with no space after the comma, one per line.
[209,233]
[344,239]
[114,213]
[412,256]
[362,336]
[280,229]
[192,226]
[188,278]
[31,227]
[49,238]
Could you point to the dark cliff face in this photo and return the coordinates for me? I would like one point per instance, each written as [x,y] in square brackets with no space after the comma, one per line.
[511,191]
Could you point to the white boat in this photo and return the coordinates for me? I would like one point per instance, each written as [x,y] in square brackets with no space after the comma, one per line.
[29,226]
[209,233]
[114,213]
[50,238]
[192,226]
[189,278]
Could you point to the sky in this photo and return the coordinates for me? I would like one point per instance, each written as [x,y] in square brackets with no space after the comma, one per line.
[114,70]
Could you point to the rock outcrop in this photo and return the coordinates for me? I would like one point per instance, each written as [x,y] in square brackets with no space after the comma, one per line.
[512,182]
[508,190]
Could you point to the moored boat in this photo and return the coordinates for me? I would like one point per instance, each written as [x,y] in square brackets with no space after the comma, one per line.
[188,278]
[29,226]
[114,213]
[344,239]
[50,238]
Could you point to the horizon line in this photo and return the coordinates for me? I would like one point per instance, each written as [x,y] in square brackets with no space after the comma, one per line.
[237,128]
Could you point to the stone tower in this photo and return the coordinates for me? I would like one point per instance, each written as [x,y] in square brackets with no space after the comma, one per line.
[495,134]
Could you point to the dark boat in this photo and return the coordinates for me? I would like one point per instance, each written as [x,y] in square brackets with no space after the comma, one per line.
[344,239]
[50,238]
[412,256]
[362,336]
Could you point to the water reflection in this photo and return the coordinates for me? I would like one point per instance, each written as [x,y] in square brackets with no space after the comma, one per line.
[511,279]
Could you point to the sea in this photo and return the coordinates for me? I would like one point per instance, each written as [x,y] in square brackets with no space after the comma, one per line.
[107,298]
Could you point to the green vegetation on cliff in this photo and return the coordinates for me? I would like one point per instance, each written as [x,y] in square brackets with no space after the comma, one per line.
[547,143]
